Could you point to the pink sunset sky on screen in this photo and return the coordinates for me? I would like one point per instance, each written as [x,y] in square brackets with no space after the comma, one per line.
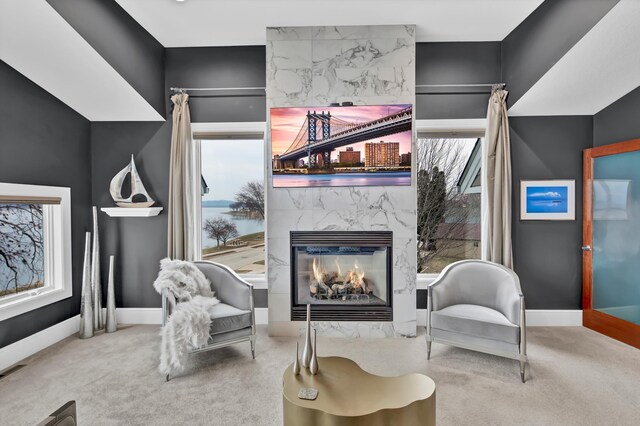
[286,123]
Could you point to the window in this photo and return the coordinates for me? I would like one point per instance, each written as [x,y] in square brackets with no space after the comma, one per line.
[448,186]
[35,247]
[232,200]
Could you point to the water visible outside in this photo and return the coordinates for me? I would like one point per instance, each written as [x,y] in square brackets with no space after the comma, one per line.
[233,195]
[244,225]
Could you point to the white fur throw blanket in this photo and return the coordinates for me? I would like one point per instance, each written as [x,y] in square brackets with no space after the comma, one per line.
[188,326]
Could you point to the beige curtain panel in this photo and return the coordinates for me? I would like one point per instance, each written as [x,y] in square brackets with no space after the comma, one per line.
[181,244]
[496,183]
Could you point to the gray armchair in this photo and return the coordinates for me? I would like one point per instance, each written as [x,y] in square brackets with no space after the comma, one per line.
[233,319]
[478,305]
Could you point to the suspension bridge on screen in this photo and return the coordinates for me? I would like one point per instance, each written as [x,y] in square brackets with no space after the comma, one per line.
[322,132]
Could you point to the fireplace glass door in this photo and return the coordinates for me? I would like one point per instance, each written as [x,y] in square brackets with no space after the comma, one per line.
[350,271]
[342,275]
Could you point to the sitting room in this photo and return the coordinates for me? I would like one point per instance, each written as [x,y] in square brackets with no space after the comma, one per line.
[354,212]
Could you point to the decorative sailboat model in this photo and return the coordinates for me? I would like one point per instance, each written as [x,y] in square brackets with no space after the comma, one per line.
[139,196]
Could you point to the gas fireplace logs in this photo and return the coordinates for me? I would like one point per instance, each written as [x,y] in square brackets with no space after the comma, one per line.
[334,285]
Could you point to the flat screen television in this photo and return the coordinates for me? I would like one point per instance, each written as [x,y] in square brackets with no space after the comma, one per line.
[341,146]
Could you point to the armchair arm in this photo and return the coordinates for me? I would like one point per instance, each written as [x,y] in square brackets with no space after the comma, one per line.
[168,304]
[228,286]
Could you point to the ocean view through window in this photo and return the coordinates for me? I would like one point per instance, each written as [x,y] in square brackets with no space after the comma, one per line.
[232,189]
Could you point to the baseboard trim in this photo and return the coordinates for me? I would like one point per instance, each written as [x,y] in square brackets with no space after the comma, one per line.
[536,317]
[139,315]
[554,317]
[16,352]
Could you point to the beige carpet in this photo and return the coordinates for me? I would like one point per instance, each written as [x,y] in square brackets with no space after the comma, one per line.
[576,377]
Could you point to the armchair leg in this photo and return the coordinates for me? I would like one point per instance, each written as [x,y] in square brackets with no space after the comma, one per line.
[522,364]
[428,350]
[253,348]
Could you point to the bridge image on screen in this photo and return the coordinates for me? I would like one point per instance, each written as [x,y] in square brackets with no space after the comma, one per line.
[341,146]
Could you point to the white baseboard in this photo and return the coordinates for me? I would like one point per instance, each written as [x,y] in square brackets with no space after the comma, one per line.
[139,315]
[536,317]
[554,317]
[28,346]
[262,315]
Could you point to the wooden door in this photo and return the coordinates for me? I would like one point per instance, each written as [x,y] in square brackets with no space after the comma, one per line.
[611,241]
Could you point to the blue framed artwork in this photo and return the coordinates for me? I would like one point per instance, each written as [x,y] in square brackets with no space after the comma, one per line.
[547,200]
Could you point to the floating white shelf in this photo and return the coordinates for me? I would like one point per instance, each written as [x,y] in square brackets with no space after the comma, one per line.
[132,211]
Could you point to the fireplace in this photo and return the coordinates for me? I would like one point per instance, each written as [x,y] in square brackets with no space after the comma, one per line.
[345,276]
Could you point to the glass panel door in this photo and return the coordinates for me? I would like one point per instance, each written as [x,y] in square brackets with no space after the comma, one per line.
[616,235]
[611,241]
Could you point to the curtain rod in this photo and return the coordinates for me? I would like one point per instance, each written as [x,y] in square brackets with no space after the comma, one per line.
[222,89]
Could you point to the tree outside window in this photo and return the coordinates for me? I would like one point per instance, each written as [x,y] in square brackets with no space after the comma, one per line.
[448,202]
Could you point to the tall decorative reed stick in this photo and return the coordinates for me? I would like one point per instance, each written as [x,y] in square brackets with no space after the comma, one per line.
[86,310]
[306,351]
[96,287]
[112,322]
[296,363]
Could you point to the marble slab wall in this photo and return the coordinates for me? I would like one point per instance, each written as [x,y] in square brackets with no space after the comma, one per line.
[315,66]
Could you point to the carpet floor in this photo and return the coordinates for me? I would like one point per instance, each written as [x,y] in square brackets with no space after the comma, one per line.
[575,377]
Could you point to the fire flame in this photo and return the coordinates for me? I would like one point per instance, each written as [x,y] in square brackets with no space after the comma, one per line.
[318,271]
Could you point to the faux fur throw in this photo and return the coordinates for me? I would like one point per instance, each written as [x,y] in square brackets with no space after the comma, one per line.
[188,326]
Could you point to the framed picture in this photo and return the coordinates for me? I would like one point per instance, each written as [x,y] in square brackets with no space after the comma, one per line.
[548,200]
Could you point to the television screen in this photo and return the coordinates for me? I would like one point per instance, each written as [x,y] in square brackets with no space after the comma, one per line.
[341,146]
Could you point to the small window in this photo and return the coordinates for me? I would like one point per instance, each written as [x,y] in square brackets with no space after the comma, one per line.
[449,191]
[35,247]
[233,208]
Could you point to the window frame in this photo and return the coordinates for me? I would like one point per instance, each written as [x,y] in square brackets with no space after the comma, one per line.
[212,131]
[449,128]
[57,251]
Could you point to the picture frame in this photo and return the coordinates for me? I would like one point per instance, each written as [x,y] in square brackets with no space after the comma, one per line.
[550,199]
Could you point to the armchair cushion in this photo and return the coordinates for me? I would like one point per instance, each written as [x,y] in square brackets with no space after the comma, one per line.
[225,318]
[475,320]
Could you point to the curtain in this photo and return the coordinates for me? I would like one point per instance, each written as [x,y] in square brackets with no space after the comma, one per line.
[496,183]
[181,231]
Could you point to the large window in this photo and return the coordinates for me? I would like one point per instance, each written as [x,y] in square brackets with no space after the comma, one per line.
[35,241]
[448,186]
[233,209]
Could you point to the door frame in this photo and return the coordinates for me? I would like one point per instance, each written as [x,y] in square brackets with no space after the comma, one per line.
[609,325]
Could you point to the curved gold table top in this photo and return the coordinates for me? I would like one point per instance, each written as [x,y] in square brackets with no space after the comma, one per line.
[347,392]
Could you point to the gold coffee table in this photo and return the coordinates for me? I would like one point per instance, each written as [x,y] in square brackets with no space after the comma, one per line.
[348,395]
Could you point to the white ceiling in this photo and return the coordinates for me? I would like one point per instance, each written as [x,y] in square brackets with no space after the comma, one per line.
[602,67]
[243,22]
[46,49]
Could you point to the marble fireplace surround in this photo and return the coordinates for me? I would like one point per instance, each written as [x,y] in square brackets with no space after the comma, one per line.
[315,66]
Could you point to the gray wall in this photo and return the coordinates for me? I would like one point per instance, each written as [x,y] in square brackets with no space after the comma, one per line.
[455,63]
[547,254]
[121,41]
[542,148]
[535,45]
[241,66]
[44,142]
[619,121]
[140,243]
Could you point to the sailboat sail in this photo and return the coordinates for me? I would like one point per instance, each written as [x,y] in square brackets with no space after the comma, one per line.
[138,191]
